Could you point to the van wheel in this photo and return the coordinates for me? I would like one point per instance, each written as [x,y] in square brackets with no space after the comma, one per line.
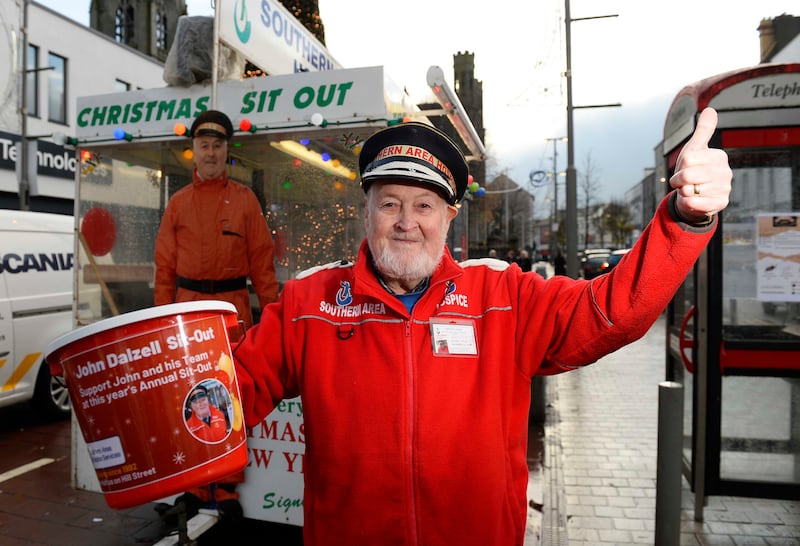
[51,397]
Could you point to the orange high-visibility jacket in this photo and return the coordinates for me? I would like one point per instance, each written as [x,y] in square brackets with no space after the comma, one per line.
[215,230]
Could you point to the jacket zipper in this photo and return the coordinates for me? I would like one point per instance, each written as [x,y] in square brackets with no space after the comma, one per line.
[412,488]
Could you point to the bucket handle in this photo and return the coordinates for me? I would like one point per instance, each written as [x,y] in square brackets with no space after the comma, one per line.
[243,334]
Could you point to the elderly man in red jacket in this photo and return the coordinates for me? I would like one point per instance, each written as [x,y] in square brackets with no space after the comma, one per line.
[409,445]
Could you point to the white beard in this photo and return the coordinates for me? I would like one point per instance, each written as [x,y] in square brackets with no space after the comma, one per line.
[406,266]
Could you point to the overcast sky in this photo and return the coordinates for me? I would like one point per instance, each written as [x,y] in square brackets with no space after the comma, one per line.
[641,59]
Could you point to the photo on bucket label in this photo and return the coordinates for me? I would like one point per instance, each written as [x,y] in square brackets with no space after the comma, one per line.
[208,411]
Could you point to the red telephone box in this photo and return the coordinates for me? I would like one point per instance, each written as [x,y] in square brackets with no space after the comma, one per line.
[733,336]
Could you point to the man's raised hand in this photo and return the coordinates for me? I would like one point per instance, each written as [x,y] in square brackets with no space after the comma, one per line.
[702,174]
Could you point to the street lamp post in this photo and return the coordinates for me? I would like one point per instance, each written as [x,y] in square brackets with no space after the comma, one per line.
[553,224]
[572,183]
[24,181]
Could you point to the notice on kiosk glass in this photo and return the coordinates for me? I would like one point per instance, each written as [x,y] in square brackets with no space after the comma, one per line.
[778,264]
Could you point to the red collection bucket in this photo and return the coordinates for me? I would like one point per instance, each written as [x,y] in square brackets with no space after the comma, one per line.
[155,394]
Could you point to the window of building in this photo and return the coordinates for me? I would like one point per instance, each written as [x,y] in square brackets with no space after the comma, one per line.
[32,81]
[120,86]
[57,88]
[161,29]
[123,26]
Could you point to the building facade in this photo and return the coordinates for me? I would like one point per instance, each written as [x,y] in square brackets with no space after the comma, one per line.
[63,60]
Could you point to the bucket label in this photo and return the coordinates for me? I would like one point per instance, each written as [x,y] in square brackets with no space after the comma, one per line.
[105,453]
[157,399]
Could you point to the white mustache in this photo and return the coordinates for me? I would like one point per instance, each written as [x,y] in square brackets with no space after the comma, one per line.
[409,238]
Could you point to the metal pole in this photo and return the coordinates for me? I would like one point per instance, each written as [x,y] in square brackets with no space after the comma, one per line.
[668,465]
[554,246]
[537,412]
[505,217]
[700,390]
[215,59]
[555,196]
[572,190]
[572,179]
[24,182]
[465,229]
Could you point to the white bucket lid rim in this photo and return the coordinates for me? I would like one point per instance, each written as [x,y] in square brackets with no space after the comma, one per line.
[132,317]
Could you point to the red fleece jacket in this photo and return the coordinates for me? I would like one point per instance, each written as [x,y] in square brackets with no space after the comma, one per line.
[405,446]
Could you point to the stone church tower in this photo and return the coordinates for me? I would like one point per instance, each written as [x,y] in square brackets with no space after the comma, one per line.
[146,25]
[470,93]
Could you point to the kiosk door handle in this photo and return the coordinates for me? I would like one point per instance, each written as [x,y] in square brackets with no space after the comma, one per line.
[686,344]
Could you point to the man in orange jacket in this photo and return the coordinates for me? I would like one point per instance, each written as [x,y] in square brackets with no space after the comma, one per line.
[213,236]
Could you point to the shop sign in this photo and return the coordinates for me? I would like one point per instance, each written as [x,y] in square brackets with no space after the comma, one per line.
[770,91]
[270,37]
[51,159]
[275,476]
[272,102]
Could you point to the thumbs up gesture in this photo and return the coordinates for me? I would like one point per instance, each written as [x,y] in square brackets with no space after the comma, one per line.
[702,174]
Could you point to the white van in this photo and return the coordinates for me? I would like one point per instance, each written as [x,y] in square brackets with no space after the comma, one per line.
[36,295]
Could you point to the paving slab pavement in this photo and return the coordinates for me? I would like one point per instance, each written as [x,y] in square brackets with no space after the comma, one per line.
[600,463]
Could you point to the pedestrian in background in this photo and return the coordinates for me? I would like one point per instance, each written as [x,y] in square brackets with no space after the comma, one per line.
[524,261]
[560,264]
[407,445]
[213,237]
